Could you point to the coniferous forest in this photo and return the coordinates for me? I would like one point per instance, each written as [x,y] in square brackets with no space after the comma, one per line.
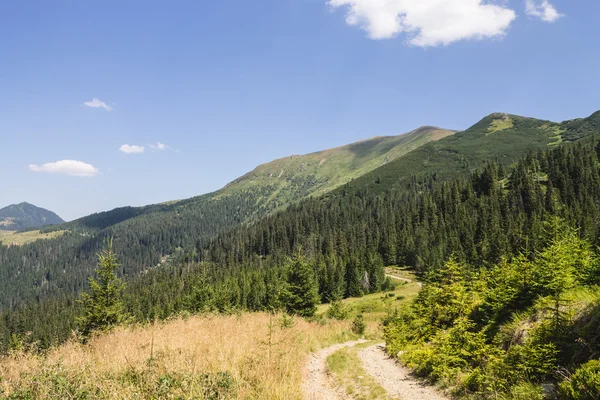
[480,220]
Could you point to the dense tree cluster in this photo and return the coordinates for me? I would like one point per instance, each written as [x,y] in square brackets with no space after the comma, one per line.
[501,331]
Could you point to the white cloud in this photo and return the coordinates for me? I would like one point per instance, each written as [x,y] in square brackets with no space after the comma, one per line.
[66,167]
[97,103]
[127,149]
[428,23]
[542,10]
[159,146]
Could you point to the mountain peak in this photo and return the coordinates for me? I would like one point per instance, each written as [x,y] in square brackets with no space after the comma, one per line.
[316,173]
[25,215]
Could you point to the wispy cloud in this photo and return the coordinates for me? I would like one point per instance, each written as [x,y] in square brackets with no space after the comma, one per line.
[127,149]
[428,23]
[66,167]
[158,146]
[542,10]
[97,103]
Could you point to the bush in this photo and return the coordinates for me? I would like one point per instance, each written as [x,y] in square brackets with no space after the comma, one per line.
[218,386]
[527,391]
[584,384]
[358,325]
[287,321]
[338,310]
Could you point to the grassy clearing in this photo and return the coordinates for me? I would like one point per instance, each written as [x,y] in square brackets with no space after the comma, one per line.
[400,273]
[349,374]
[199,357]
[212,356]
[554,132]
[375,306]
[13,238]
[500,124]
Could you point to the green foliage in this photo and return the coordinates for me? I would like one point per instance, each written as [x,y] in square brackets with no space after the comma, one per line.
[359,326]
[584,384]
[102,306]
[287,321]
[505,330]
[526,391]
[219,386]
[338,310]
[301,294]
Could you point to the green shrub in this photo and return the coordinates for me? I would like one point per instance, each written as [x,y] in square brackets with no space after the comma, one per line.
[217,386]
[358,325]
[536,362]
[338,310]
[287,321]
[584,384]
[526,391]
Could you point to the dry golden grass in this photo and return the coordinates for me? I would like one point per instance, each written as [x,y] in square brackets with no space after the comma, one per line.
[199,357]
[203,357]
[13,238]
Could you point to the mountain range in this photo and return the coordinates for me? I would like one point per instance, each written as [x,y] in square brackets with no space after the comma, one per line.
[145,237]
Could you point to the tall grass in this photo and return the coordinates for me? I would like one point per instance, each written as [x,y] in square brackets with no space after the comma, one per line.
[199,357]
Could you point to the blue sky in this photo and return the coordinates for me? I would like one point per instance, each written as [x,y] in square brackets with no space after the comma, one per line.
[228,85]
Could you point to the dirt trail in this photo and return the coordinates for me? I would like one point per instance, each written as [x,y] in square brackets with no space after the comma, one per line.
[402,279]
[317,383]
[396,380]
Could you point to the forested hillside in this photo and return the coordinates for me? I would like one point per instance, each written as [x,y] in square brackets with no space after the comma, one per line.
[144,237]
[24,215]
[502,137]
[481,219]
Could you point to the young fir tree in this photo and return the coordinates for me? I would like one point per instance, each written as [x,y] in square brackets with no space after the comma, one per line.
[102,305]
[301,295]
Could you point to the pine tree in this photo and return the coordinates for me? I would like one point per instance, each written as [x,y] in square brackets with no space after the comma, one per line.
[102,305]
[301,295]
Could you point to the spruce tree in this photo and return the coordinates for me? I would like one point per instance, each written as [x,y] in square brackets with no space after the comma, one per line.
[301,294]
[102,305]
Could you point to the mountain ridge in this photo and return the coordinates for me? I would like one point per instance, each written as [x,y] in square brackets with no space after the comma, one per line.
[280,182]
[497,135]
[24,215]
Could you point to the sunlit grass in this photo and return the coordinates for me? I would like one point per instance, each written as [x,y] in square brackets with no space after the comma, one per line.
[13,238]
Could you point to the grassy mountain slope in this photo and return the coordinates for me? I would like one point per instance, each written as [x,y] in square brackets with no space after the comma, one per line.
[24,215]
[280,182]
[295,177]
[498,136]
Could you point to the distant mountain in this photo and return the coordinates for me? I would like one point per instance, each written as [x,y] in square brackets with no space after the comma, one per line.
[24,215]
